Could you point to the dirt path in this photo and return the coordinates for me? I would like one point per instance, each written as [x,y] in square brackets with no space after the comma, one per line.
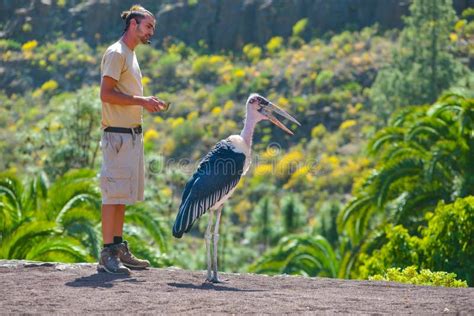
[27,287]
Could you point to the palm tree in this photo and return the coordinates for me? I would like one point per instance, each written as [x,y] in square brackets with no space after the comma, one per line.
[293,213]
[61,222]
[424,156]
[261,232]
[145,230]
[47,224]
[300,254]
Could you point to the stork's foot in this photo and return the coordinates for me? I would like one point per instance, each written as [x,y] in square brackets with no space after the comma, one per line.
[214,280]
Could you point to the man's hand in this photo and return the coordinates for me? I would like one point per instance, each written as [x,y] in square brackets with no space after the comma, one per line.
[110,95]
[153,104]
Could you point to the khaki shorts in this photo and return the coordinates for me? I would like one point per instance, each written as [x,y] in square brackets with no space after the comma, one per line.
[122,176]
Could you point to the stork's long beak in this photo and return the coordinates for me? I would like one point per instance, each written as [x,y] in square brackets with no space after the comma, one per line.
[271,108]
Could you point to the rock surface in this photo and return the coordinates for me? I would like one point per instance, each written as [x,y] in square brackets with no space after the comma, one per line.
[40,288]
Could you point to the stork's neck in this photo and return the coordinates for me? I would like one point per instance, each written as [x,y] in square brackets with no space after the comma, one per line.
[249,127]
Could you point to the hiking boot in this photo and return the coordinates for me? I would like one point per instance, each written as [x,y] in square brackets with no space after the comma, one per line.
[109,261]
[129,260]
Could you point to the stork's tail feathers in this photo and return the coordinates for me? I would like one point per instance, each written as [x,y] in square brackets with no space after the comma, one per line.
[178,228]
[184,220]
[177,234]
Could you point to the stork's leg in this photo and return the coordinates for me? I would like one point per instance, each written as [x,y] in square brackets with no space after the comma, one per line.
[208,246]
[215,279]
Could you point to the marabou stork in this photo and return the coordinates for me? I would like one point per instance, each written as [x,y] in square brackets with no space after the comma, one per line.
[219,173]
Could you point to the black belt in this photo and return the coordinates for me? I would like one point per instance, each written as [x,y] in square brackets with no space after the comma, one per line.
[124,130]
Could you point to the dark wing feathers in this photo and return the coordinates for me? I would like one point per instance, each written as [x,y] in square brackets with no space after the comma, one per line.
[217,174]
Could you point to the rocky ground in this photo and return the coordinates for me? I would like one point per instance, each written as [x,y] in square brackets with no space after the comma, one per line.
[32,287]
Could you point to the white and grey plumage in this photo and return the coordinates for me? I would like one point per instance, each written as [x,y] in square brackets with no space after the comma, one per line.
[218,174]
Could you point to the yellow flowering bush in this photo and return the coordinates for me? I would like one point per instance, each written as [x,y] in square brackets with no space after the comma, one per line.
[29,46]
[206,67]
[275,44]
[300,176]
[453,37]
[158,119]
[145,81]
[252,52]
[263,170]
[460,25]
[49,85]
[329,162]
[239,73]
[228,127]
[150,135]
[289,163]
[175,122]
[282,101]
[347,124]
[351,167]
[228,106]
[169,146]
[241,209]
[216,111]
[318,131]
[166,192]
[192,115]
[270,153]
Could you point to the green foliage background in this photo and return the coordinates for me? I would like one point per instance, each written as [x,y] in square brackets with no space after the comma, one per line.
[378,177]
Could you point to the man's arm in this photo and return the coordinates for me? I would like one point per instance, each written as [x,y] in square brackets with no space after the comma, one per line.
[109,95]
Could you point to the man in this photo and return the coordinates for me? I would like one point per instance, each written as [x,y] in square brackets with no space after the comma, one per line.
[122,172]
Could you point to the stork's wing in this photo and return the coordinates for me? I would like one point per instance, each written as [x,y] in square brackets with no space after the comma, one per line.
[217,174]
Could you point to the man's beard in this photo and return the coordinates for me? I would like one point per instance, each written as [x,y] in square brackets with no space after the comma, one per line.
[145,40]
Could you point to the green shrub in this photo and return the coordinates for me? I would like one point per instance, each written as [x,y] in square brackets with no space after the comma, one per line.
[275,44]
[252,52]
[9,44]
[324,78]
[448,241]
[299,27]
[410,275]
[205,68]
[167,66]
[400,250]
[446,245]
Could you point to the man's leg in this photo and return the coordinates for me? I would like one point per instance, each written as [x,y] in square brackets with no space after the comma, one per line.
[125,256]
[109,256]
[118,221]
[109,212]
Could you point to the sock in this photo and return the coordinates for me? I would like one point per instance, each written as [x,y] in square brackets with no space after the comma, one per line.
[108,245]
[118,240]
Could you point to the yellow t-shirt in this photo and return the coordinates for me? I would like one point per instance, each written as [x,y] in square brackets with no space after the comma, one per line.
[120,63]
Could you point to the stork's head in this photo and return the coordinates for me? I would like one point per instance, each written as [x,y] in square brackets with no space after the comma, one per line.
[263,109]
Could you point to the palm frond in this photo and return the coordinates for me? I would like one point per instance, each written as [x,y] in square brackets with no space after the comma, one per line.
[21,240]
[81,223]
[394,171]
[77,187]
[12,189]
[82,199]
[58,249]
[299,254]
[404,116]
[355,206]
[141,218]
[37,189]
[389,135]
[432,128]
[141,249]
[417,202]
